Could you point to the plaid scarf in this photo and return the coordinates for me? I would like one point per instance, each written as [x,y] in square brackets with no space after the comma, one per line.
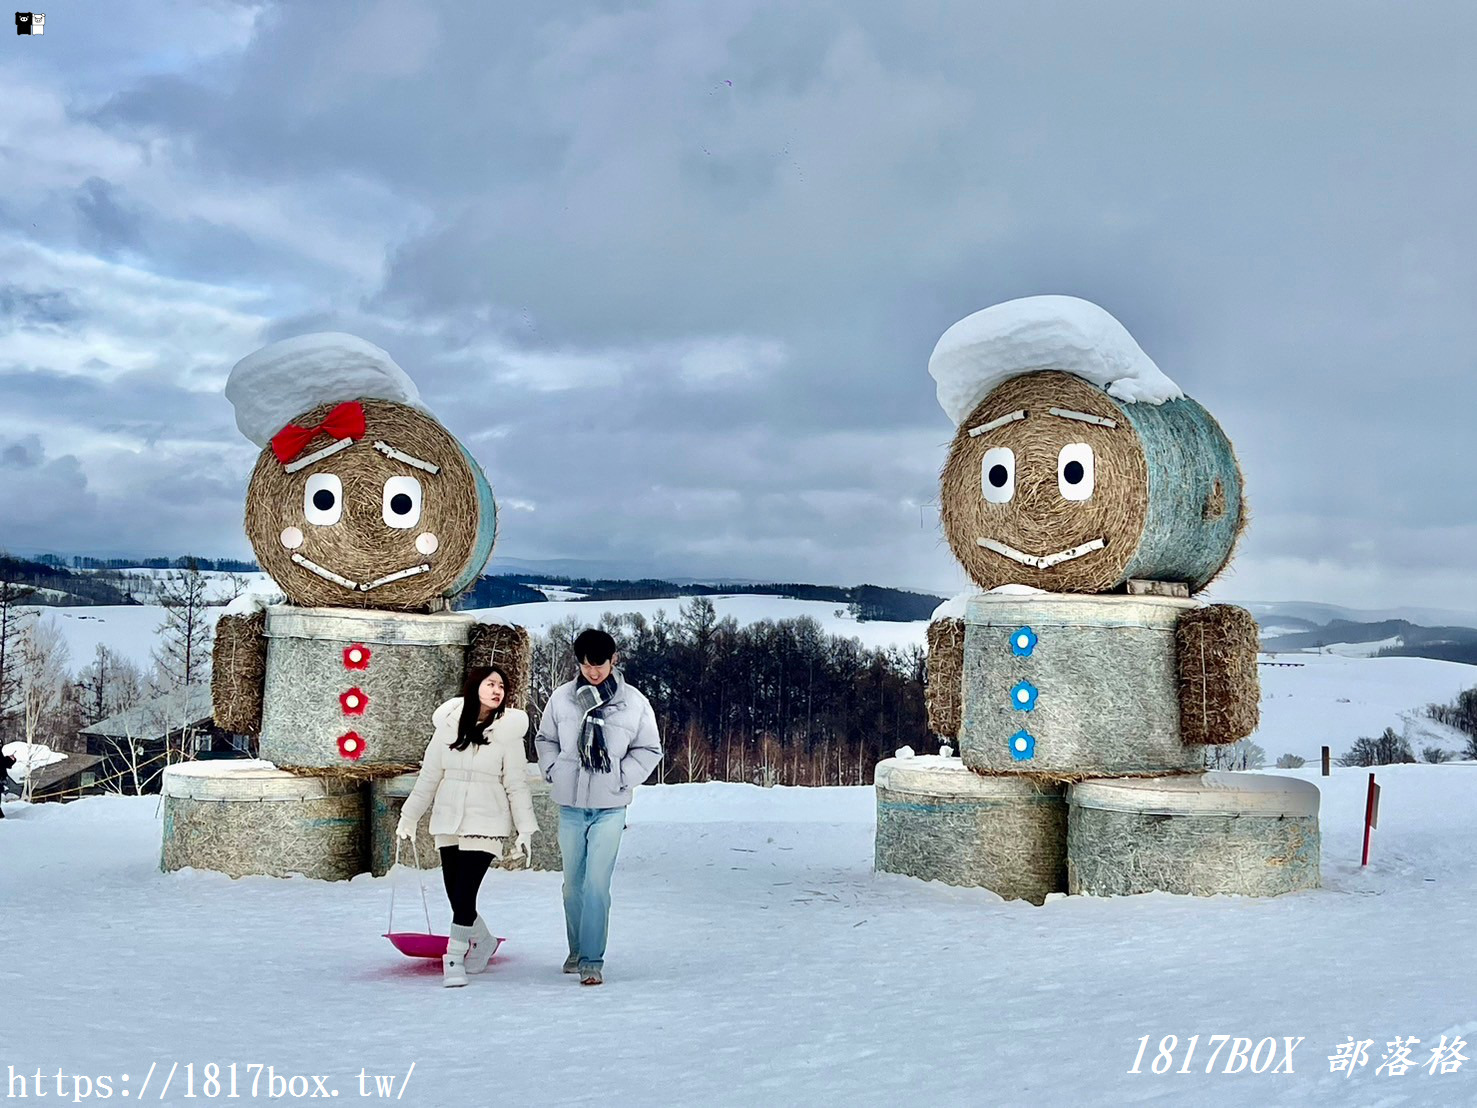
[592,700]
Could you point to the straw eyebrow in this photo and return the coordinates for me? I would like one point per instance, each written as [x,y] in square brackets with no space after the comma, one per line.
[390,452]
[317,456]
[1009,417]
[1083,417]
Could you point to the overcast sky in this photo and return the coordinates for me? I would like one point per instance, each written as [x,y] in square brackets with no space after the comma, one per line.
[673,270]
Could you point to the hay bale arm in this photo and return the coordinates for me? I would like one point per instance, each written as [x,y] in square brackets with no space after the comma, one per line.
[238,673]
[1216,651]
[944,694]
[508,647]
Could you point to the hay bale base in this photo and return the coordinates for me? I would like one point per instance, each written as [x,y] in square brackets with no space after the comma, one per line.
[247,817]
[412,664]
[1214,833]
[1102,679]
[1220,692]
[945,667]
[939,822]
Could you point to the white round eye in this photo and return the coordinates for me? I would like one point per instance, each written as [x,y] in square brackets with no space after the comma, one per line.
[402,502]
[997,474]
[1075,472]
[323,499]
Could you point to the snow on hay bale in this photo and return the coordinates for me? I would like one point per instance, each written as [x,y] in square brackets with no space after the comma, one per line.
[1220,692]
[352,692]
[367,513]
[248,817]
[938,821]
[1200,835]
[237,673]
[1049,464]
[1068,686]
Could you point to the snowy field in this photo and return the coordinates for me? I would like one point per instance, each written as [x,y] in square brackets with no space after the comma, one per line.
[755,959]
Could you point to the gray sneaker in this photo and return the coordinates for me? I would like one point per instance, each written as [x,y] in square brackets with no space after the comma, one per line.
[590,975]
[572,964]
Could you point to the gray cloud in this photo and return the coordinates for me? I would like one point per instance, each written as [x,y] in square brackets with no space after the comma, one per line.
[702,255]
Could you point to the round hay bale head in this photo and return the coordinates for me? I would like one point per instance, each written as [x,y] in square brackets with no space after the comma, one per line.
[938,821]
[1243,833]
[387,797]
[249,817]
[1049,466]
[1070,686]
[332,532]
[351,689]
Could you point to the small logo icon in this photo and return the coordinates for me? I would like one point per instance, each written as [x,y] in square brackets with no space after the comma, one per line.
[30,23]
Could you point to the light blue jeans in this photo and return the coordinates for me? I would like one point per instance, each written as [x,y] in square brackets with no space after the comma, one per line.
[589,839]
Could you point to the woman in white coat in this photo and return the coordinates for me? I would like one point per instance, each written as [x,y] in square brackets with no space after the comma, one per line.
[473,779]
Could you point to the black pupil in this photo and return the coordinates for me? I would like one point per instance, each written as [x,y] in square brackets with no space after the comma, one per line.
[998,476]
[323,500]
[400,504]
[1073,472]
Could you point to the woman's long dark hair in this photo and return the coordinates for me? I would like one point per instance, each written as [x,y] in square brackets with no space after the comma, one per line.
[469,729]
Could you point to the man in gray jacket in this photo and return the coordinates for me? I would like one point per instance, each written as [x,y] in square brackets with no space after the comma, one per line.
[597,741]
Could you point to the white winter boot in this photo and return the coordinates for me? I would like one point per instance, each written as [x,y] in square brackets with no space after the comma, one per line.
[484,946]
[454,961]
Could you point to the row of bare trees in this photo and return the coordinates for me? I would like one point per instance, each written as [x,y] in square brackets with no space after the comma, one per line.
[773,702]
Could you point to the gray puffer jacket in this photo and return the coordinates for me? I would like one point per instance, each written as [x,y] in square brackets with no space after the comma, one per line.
[631,740]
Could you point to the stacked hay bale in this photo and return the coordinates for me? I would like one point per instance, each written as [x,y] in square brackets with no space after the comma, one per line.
[372,518]
[1090,500]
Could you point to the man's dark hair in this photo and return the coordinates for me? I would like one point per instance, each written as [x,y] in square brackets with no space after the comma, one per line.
[594,646]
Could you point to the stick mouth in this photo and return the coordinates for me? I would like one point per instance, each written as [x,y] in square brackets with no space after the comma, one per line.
[357,586]
[1042,561]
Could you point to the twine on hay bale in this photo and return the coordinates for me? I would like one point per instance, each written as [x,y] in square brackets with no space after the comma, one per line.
[508,647]
[1153,505]
[945,676]
[360,546]
[1220,692]
[238,673]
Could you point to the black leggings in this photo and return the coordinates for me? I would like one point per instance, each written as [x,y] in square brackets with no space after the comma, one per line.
[463,870]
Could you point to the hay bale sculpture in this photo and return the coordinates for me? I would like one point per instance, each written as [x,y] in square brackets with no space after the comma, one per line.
[1090,500]
[371,517]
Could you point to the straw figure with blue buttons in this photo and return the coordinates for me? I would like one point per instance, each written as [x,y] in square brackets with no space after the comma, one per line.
[1090,501]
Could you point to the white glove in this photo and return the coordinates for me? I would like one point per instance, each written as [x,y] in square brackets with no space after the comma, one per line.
[524,843]
[404,829]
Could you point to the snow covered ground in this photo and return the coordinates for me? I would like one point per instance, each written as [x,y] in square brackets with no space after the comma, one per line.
[755,958]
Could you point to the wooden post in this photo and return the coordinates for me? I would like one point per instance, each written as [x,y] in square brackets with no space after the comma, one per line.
[1325,761]
[1371,800]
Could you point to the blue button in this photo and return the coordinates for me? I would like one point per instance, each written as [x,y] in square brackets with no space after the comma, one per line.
[1022,746]
[1023,696]
[1022,642]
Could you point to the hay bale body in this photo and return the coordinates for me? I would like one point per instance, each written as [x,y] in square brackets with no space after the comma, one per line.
[945,666]
[411,665]
[1101,675]
[456,508]
[238,672]
[386,800]
[247,817]
[1209,833]
[509,647]
[938,821]
[1166,494]
[1220,690]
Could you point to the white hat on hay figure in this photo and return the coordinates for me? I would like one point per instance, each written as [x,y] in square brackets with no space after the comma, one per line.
[285,379]
[1036,333]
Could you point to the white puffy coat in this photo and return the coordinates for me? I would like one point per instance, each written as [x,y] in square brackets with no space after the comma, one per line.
[482,790]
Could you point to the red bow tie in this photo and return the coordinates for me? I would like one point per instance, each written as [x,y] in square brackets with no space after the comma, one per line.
[345,422]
